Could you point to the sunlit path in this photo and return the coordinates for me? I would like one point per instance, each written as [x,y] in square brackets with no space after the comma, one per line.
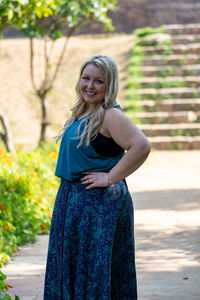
[166,194]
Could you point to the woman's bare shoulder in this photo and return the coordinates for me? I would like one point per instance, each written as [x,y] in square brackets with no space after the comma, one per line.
[115,115]
[114,112]
[111,115]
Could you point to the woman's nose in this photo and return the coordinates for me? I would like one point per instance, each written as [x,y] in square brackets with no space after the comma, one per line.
[90,84]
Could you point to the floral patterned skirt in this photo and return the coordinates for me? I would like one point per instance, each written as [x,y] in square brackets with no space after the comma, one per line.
[91,252]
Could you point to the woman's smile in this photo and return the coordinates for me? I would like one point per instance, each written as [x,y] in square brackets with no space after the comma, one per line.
[90,93]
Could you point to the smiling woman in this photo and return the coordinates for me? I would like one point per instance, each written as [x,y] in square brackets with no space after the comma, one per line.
[91,251]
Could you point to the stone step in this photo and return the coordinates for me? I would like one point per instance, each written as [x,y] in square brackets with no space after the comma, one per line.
[157,82]
[156,130]
[159,60]
[193,48]
[176,29]
[162,117]
[185,39]
[157,39]
[175,143]
[185,70]
[171,105]
[164,93]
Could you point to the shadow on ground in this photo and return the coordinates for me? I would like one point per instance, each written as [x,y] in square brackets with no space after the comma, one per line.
[188,199]
[167,235]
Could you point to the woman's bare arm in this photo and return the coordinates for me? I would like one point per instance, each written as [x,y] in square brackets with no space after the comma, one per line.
[129,137]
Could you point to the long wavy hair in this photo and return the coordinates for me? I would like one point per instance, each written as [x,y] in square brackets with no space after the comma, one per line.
[94,119]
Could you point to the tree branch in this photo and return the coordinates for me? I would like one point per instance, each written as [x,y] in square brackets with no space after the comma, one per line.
[46,58]
[6,136]
[32,65]
[61,56]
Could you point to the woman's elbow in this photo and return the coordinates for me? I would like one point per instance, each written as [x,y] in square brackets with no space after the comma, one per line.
[140,146]
[145,148]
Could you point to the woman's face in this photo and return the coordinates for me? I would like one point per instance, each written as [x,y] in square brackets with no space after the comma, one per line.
[92,85]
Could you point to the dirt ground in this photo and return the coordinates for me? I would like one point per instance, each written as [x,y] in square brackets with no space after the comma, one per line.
[17,98]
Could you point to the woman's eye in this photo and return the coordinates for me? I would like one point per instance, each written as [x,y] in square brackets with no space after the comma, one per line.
[99,81]
[85,78]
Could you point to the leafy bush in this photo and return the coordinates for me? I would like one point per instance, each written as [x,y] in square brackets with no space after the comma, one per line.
[27,192]
[4,288]
[145,31]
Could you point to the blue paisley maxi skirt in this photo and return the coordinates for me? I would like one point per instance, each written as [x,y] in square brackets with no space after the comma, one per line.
[91,252]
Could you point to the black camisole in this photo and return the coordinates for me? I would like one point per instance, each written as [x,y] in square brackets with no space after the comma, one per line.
[106,146]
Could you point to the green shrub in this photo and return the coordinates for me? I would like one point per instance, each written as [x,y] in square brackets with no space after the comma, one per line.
[144,37]
[4,288]
[137,51]
[27,192]
[145,31]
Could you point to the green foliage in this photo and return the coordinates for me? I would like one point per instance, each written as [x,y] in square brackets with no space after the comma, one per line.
[195,93]
[183,132]
[168,51]
[169,72]
[152,42]
[143,38]
[8,10]
[137,51]
[176,146]
[163,83]
[27,191]
[178,62]
[39,18]
[4,288]
[146,31]
[191,72]
[133,74]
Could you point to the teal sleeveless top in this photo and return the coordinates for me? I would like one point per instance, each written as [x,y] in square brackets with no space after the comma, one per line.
[101,155]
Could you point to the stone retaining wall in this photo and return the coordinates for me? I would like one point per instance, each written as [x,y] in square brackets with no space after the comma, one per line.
[134,14]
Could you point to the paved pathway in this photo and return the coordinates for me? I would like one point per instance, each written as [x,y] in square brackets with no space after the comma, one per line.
[167,226]
[26,272]
[166,194]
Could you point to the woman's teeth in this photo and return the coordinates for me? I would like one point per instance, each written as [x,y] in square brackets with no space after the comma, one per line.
[90,93]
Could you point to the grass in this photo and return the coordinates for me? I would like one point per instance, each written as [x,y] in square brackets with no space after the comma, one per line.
[183,132]
[162,83]
[146,31]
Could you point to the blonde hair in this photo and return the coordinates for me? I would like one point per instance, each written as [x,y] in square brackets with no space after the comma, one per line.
[94,119]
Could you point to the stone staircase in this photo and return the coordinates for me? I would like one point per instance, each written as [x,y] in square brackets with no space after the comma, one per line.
[170,90]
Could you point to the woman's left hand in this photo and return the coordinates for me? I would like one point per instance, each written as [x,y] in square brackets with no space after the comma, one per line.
[95,179]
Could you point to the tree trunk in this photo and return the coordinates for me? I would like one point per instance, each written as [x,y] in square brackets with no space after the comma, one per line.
[6,135]
[48,81]
[44,121]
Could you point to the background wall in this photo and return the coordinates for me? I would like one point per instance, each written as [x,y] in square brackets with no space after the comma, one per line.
[139,13]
